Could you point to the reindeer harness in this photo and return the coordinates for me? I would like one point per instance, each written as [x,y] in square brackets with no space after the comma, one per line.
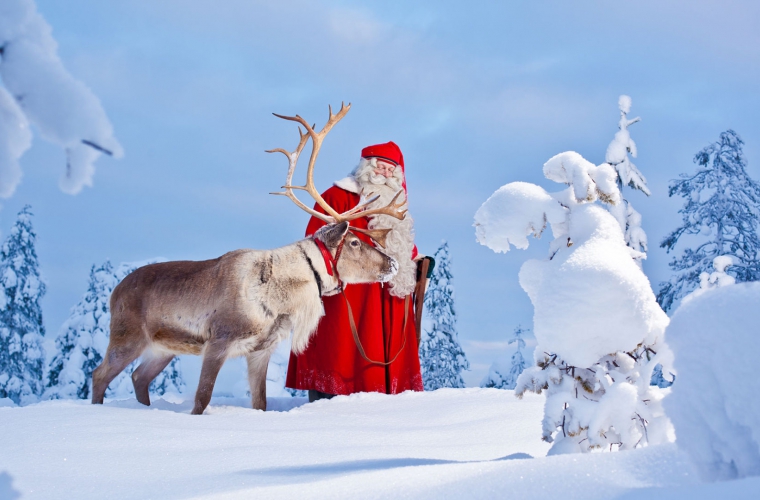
[331,263]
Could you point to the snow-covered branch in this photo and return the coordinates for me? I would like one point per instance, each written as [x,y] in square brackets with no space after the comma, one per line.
[38,90]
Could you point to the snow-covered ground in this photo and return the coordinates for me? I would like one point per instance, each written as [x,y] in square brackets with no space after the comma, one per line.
[451,443]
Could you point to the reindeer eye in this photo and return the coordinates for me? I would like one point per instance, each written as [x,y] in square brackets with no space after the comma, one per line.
[355,243]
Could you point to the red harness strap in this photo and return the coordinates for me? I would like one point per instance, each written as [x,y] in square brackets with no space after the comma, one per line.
[329,262]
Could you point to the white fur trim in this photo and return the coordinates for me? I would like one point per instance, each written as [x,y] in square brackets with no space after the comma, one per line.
[349,184]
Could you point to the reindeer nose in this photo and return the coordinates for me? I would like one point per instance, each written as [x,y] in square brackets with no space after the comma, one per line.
[393,269]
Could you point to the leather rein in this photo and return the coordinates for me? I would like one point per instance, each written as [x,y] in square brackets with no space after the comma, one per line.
[331,263]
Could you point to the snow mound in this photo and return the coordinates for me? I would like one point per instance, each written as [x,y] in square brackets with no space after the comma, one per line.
[714,405]
[616,295]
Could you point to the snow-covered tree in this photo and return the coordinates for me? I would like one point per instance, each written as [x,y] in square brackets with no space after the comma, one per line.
[722,208]
[618,158]
[498,380]
[277,373]
[83,337]
[22,355]
[83,340]
[36,89]
[599,329]
[441,357]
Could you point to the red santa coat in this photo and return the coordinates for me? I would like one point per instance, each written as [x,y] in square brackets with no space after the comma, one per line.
[332,363]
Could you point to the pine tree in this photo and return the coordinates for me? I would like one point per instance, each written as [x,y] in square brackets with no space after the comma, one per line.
[21,330]
[617,157]
[498,380]
[441,357]
[83,337]
[518,362]
[83,340]
[596,377]
[722,203]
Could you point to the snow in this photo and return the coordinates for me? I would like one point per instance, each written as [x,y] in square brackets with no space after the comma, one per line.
[532,208]
[723,205]
[714,405]
[583,295]
[596,320]
[37,89]
[15,139]
[588,182]
[450,443]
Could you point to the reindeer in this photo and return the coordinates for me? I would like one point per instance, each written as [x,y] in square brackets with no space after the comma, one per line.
[244,302]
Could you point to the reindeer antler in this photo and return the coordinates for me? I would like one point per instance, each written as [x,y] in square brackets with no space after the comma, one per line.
[393,208]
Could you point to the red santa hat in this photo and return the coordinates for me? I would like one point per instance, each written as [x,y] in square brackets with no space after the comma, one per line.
[389,152]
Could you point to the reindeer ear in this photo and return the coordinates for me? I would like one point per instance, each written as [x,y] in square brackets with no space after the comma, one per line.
[332,234]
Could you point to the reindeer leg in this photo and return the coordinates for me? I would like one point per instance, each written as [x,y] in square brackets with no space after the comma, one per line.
[117,357]
[213,359]
[258,361]
[152,365]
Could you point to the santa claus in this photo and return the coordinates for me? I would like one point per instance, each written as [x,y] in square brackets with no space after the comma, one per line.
[334,363]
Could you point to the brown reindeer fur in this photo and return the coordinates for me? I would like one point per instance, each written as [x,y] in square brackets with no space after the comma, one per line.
[240,304]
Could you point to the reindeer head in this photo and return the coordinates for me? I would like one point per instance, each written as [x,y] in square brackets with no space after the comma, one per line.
[357,262]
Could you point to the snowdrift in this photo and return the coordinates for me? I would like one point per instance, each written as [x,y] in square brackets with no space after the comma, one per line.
[714,405]
[450,443]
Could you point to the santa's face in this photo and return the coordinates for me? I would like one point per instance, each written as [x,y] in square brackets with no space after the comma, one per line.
[374,172]
[384,168]
[384,180]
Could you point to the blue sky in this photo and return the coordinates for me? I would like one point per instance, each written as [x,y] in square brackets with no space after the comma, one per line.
[477,94]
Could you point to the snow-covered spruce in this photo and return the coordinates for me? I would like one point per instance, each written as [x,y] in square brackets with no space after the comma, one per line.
[36,89]
[277,372]
[22,356]
[83,340]
[599,329]
[441,357]
[707,281]
[617,157]
[722,204]
[498,380]
[714,404]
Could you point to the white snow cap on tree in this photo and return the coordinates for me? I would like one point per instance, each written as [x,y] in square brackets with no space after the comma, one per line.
[591,299]
[587,181]
[621,146]
[39,90]
[532,208]
[15,139]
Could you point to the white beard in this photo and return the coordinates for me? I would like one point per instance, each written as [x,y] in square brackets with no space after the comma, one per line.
[400,241]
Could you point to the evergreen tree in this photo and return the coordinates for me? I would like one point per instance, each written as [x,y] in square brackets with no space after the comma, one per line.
[441,357]
[83,337]
[83,340]
[495,378]
[722,203]
[618,158]
[21,331]
[518,362]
